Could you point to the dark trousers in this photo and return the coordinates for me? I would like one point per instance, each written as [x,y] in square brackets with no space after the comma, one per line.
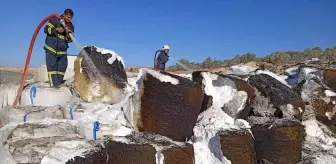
[56,67]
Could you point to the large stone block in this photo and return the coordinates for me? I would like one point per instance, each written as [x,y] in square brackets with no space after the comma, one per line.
[329,77]
[41,74]
[322,99]
[29,114]
[45,96]
[238,146]
[277,140]
[139,148]
[169,104]
[282,101]
[100,75]
[179,154]
[30,142]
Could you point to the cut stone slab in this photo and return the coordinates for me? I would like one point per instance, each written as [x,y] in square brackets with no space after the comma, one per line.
[30,142]
[329,77]
[277,140]
[62,151]
[45,96]
[169,104]
[29,113]
[226,91]
[140,148]
[323,101]
[100,75]
[179,154]
[238,146]
[284,99]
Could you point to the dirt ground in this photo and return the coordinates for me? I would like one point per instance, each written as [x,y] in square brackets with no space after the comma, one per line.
[12,77]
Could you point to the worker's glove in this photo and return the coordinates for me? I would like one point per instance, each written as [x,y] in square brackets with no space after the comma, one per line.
[68,31]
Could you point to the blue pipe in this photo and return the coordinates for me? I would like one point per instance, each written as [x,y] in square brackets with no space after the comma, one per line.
[95,129]
[25,117]
[71,110]
[32,94]
[71,115]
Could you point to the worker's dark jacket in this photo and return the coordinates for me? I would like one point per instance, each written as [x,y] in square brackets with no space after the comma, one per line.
[56,43]
[162,60]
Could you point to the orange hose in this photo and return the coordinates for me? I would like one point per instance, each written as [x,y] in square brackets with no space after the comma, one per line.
[31,46]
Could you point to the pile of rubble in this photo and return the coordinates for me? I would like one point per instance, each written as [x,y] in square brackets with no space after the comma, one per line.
[253,116]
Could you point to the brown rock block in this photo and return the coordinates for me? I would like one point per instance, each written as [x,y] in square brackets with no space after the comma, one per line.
[207,99]
[279,95]
[98,80]
[329,77]
[325,111]
[322,99]
[238,146]
[30,142]
[272,67]
[97,155]
[243,85]
[139,148]
[169,105]
[182,155]
[277,140]
[116,152]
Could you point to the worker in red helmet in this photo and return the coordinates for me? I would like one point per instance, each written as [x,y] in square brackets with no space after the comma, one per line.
[56,45]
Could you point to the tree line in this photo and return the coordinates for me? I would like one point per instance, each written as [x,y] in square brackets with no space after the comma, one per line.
[277,58]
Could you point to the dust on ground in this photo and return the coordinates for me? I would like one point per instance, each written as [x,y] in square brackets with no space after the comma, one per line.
[12,77]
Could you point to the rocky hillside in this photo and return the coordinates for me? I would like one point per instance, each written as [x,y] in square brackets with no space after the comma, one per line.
[277,58]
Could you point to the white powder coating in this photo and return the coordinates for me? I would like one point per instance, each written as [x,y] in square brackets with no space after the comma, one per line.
[330,93]
[319,142]
[308,73]
[5,155]
[7,94]
[46,96]
[207,147]
[243,96]
[290,109]
[329,115]
[114,55]
[158,75]
[241,69]
[159,157]
[221,94]
[63,151]
[188,76]
[113,121]
[281,78]
[292,70]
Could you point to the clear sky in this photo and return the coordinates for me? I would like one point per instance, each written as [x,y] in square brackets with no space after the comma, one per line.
[194,29]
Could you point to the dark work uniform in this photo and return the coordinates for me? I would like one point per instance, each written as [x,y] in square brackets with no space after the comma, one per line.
[56,45]
[162,60]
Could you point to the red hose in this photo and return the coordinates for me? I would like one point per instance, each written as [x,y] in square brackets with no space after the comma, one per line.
[31,46]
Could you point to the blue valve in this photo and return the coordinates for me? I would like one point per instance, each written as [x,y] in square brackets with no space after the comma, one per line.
[32,94]
[95,129]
